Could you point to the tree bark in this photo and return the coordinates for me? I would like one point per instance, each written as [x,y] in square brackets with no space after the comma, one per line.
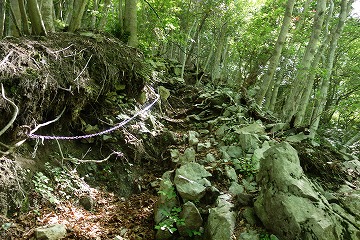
[24,18]
[47,11]
[37,23]
[130,22]
[299,84]
[274,60]
[104,16]
[2,18]
[305,98]
[319,107]
[15,20]
[216,65]
[77,14]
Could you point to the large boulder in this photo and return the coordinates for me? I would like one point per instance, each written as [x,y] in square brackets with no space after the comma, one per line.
[291,206]
[190,181]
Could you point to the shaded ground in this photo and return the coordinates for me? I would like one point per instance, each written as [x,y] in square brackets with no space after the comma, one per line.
[103,199]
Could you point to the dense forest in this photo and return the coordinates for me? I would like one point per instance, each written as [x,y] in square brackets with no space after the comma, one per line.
[295,65]
[297,59]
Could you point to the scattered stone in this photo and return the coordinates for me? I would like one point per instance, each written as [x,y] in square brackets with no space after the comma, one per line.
[192,219]
[250,215]
[248,141]
[259,154]
[188,156]
[231,174]
[221,220]
[245,199]
[236,189]
[50,232]
[250,235]
[255,127]
[175,155]
[202,146]
[297,138]
[210,158]
[235,151]
[190,181]
[220,132]
[193,140]
[87,202]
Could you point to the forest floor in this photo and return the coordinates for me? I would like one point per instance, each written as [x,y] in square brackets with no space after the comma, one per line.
[112,197]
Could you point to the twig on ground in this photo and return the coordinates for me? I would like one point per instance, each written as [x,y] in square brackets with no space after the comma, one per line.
[6,58]
[16,112]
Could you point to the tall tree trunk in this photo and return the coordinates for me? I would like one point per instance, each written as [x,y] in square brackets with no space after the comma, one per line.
[274,60]
[77,14]
[299,84]
[94,16]
[47,11]
[305,98]
[130,22]
[2,18]
[69,11]
[121,16]
[345,10]
[15,20]
[216,65]
[104,16]
[37,23]
[24,19]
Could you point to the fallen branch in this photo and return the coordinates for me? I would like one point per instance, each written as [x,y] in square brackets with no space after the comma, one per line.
[6,58]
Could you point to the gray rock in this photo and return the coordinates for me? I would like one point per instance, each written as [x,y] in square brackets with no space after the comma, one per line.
[87,202]
[250,216]
[192,219]
[235,151]
[291,206]
[250,235]
[259,154]
[255,127]
[50,232]
[248,142]
[190,181]
[193,140]
[210,158]
[236,189]
[188,156]
[352,167]
[175,155]
[220,132]
[297,138]
[221,220]
[231,174]
[202,146]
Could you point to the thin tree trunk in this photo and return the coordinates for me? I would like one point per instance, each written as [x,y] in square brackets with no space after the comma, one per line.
[130,23]
[345,9]
[70,10]
[15,22]
[2,18]
[94,16]
[78,12]
[24,19]
[216,65]
[121,17]
[299,83]
[274,60]
[47,11]
[104,16]
[37,23]
[305,98]
[185,49]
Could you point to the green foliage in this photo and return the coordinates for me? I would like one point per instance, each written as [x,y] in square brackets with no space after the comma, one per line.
[172,219]
[43,186]
[168,193]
